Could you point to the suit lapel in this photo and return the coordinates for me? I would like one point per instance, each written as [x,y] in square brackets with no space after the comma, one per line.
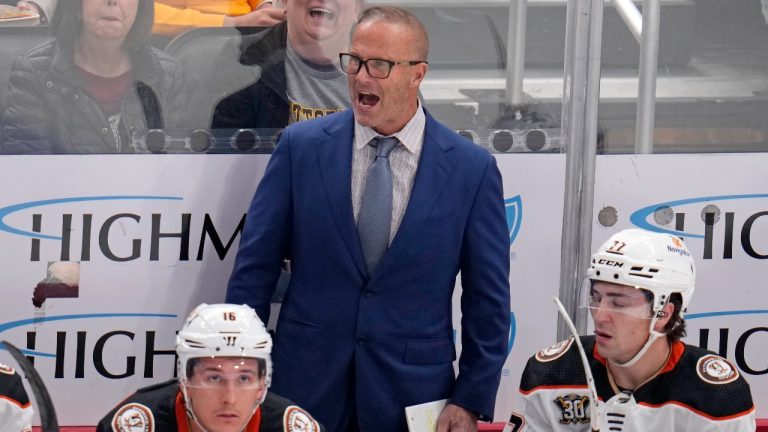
[335,158]
[435,166]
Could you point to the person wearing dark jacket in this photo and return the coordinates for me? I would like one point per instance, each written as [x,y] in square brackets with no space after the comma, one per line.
[93,85]
[288,73]
[263,103]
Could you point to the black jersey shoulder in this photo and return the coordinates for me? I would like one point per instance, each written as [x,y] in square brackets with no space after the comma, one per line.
[559,365]
[276,408]
[11,385]
[703,381]
[157,402]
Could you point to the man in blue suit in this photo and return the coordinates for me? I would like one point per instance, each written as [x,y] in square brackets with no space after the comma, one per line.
[364,333]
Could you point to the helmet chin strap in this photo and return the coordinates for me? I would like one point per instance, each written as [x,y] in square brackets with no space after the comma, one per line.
[191,412]
[652,336]
[188,408]
[651,339]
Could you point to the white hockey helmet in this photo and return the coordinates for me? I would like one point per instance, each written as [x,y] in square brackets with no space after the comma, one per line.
[657,262]
[223,330]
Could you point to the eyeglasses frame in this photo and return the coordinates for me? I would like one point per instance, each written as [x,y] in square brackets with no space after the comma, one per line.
[362,63]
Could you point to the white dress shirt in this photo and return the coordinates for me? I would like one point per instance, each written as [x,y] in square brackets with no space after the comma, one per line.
[404,160]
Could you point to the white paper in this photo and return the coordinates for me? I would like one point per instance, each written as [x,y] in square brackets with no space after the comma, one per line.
[423,417]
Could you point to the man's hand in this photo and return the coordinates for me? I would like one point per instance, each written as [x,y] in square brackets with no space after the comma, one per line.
[456,419]
[32,7]
[261,17]
[28,6]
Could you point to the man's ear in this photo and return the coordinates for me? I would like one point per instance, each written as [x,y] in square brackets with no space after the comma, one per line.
[667,311]
[420,71]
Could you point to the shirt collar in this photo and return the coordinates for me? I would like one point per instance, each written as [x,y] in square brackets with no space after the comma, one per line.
[411,135]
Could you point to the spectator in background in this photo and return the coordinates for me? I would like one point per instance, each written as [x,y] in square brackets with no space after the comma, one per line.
[15,408]
[86,90]
[176,16]
[294,65]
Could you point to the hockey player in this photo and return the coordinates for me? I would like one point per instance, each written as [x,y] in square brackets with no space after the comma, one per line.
[638,287]
[224,369]
[15,408]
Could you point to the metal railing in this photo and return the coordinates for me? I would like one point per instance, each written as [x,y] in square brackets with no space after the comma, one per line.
[645,28]
[518,13]
[581,94]
[649,57]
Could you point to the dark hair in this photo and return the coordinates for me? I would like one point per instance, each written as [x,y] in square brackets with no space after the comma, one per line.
[675,328]
[67,23]
[395,15]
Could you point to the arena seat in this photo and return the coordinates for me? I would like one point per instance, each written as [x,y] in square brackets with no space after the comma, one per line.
[200,53]
[16,41]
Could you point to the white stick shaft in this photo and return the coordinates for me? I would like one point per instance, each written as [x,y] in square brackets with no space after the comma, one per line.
[594,417]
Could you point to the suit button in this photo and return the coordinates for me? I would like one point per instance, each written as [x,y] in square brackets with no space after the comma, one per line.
[104,130]
[368,293]
[361,340]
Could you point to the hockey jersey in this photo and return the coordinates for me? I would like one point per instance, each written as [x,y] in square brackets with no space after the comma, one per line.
[15,409]
[696,390]
[160,408]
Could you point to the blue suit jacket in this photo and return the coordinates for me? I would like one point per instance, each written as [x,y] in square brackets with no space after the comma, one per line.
[381,341]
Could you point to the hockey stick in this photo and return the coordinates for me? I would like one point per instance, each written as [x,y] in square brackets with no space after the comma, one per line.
[594,411]
[48,421]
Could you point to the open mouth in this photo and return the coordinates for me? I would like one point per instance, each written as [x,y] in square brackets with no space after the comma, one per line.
[367,99]
[321,13]
[602,335]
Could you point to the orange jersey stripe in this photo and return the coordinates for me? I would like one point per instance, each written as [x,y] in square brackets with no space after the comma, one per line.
[700,413]
[553,387]
[15,402]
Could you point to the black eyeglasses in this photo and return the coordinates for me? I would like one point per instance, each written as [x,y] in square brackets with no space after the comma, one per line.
[376,68]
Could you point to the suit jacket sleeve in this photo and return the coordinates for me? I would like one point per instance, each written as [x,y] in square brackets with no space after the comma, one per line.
[485,304]
[266,235]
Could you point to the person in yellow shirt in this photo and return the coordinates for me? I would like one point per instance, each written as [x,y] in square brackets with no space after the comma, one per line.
[175,16]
